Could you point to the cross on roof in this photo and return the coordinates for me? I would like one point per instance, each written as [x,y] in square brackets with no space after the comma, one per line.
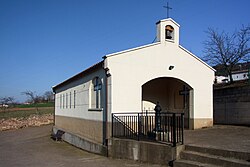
[168,8]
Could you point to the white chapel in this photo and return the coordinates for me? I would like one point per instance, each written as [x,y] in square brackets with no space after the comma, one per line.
[134,80]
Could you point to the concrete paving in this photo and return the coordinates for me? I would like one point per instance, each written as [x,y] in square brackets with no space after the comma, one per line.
[232,138]
[32,147]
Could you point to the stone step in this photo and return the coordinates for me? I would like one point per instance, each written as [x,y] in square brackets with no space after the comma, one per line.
[219,152]
[187,163]
[213,159]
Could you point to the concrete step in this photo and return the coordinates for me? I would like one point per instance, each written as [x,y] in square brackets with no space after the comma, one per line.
[187,163]
[213,159]
[219,152]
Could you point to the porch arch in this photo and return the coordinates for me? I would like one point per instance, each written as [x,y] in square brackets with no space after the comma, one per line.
[173,94]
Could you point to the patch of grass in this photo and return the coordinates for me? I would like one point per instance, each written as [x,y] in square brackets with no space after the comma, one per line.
[51,104]
[26,113]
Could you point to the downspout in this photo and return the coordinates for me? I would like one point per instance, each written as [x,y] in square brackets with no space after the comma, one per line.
[104,115]
[105,112]
[106,121]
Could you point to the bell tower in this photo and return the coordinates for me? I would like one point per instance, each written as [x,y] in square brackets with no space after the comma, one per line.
[167,31]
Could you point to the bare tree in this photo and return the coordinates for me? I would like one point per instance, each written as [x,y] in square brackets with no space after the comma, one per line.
[33,97]
[227,49]
[48,96]
[6,101]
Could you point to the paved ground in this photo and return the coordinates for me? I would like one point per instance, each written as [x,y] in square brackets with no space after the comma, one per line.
[32,147]
[234,138]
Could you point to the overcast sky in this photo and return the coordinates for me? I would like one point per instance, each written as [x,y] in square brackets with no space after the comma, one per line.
[44,42]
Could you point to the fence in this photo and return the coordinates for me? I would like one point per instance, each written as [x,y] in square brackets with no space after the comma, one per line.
[165,127]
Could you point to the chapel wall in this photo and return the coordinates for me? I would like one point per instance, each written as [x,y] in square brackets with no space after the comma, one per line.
[80,104]
[132,69]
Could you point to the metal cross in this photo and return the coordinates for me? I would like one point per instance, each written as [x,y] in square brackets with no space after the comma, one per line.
[168,8]
[185,94]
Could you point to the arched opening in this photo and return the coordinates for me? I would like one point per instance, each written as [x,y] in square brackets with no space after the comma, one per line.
[174,95]
[95,93]
[169,32]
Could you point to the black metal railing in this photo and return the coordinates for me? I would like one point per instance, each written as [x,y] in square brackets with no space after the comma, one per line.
[165,128]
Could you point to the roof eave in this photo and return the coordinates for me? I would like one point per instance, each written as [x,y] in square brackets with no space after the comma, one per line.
[86,71]
[197,58]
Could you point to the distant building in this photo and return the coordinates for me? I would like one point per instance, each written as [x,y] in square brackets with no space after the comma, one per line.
[240,75]
[5,105]
[221,79]
[240,72]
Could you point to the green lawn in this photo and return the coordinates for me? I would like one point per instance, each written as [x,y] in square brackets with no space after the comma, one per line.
[51,104]
[22,112]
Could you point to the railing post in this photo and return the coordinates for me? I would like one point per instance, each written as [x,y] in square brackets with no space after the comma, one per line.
[138,127]
[174,130]
[146,122]
[182,128]
[112,126]
[124,128]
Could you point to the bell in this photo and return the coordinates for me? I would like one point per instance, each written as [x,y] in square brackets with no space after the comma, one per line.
[169,32]
[168,35]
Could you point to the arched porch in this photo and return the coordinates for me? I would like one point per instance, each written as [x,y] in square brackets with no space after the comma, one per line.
[174,95]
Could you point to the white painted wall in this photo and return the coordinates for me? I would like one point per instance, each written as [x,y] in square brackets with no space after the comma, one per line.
[82,104]
[132,68]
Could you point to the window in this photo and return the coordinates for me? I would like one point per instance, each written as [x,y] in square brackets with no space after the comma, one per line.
[66,100]
[69,99]
[96,87]
[60,101]
[169,32]
[63,100]
[74,99]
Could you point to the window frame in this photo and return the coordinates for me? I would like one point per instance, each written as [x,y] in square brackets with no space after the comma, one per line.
[95,93]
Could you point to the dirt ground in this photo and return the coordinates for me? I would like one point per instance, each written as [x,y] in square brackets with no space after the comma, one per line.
[32,147]
[20,109]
